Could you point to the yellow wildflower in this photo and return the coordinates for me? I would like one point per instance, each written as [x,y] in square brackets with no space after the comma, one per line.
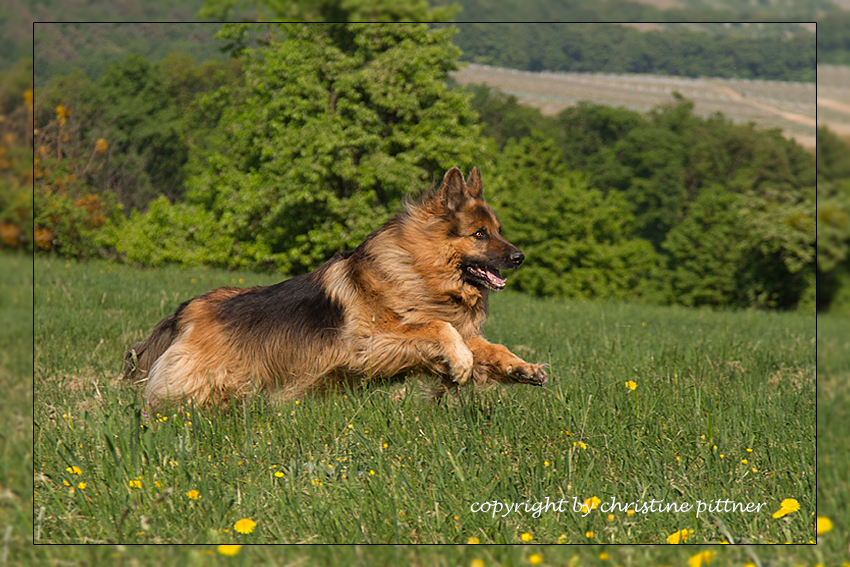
[680,536]
[590,504]
[701,558]
[823,525]
[786,507]
[245,526]
[229,550]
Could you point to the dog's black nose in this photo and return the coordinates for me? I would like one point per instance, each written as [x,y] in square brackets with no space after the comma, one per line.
[517,258]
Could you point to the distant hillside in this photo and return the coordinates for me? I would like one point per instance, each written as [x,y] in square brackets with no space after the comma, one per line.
[610,48]
[671,11]
[658,16]
[17,17]
[788,106]
[762,20]
[61,47]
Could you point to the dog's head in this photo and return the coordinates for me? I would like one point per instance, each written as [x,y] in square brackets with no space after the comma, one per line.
[476,231]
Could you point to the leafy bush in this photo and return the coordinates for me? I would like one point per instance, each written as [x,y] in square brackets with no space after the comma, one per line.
[179,234]
[73,222]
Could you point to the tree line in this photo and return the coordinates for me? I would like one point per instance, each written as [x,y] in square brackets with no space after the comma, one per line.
[306,140]
[766,24]
[609,48]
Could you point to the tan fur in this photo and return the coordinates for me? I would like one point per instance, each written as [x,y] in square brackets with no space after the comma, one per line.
[407,308]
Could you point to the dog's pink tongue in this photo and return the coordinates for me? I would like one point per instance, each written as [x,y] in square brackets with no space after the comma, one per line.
[495,280]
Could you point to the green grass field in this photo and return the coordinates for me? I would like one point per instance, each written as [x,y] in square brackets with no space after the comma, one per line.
[723,408]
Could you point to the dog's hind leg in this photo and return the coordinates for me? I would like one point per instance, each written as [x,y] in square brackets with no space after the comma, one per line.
[140,358]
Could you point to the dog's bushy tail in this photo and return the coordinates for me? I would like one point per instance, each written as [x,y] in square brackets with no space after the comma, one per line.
[140,357]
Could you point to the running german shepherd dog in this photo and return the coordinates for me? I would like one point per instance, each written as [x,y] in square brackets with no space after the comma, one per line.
[411,298]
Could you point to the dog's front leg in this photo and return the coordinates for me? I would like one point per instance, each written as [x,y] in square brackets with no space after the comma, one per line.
[495,363]
[436,346]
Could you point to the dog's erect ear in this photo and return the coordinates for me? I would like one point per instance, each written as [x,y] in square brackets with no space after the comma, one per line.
[473,184]
[453,190]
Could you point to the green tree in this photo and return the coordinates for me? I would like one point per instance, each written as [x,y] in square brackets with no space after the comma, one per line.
[612,48]
[663,160]
[588,129]
[146,114]
[743,250]
[643,159]
[327,10]
[705,253]
[503,117]
[141,124]
[578,243]
[780,244]
[332,125]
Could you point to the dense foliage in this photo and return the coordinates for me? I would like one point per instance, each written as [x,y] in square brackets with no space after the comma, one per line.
[730,211]
[579,242]
[16,157]
[326,10]
[116,142]
[311,136]
[332,125]
[833,227]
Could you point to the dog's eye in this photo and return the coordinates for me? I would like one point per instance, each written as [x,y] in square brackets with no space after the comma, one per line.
[480,234]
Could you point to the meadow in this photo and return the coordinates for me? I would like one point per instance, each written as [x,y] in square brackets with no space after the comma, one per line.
[644,403]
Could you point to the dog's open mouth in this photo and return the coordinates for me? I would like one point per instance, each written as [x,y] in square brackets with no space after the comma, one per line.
[489,277]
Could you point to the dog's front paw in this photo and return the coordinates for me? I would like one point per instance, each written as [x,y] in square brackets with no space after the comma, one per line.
[461,365]
[533,374]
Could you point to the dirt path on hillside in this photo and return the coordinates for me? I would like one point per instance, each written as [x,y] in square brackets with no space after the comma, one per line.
[834,105]
[798,118]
